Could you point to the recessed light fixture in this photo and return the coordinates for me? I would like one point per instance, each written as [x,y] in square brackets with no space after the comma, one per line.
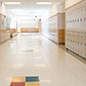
[46,3]
[12,3]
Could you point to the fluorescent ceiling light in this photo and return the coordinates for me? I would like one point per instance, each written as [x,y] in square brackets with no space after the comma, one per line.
[26,18]
[47,3]
[12,2]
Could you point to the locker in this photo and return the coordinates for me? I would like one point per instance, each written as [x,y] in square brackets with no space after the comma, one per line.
[69,40]
[73,41]
[66,39]
[82,43]
[85,44]
[77,42]
[76,29]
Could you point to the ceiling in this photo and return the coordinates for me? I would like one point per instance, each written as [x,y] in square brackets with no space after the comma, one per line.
[29,7]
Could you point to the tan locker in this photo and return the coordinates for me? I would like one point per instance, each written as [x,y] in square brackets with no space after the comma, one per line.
[75,44]
[85,44]
[73,41]
[78,42]
[69,40]
[82,43]
[76,25]
[66,39]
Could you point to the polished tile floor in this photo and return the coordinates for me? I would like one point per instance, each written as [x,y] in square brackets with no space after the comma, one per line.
[35,55]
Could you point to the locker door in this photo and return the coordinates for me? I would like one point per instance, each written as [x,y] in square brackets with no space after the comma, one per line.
[82,43]
[66,39]
[79,42]
[85,44]
[72,40]
[76,41]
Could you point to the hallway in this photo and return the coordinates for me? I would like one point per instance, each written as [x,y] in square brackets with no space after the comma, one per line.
[31,54]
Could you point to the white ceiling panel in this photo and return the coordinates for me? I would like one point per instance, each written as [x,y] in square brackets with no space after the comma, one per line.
[29,7]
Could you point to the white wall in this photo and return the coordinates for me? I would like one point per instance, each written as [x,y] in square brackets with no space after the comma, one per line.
[28,25]
[27,22]
[69,3]
[9,15]
[56,8]
[12,19]
[2,9]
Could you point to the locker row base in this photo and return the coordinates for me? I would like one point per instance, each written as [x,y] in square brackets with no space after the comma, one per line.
[75,53]
[53,41]
[4,41]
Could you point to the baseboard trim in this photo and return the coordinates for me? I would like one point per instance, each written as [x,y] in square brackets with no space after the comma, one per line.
[76,53]
[4,41]
[54,41]
[50,39]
